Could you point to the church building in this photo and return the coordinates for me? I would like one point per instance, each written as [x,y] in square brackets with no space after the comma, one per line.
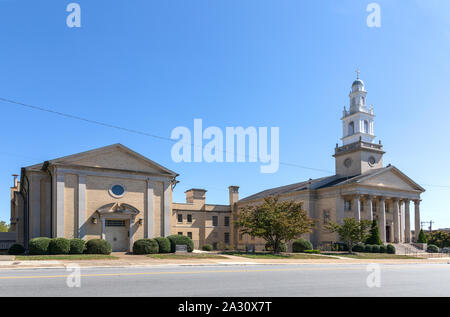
[119,195]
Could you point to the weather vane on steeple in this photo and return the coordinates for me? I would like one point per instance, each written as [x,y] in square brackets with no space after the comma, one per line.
[357,73]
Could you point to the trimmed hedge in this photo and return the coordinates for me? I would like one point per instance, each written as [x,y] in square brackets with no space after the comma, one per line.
[339,246]
[390,249]
[312,251]
[207,247]
[59,246]
[16,249]
[431,248]
[301,245]
[39,246]
[375,248]
[145,246]
[98,246]
[177,239]
[77,246]
[358,248]
[368,248]
[383,249]
[163,244]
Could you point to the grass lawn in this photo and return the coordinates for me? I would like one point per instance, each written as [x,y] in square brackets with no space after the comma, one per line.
[65,257]
[174,256]
[261,255]
[373,256]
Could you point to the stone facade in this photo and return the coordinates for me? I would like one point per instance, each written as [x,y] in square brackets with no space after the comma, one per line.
[117,194]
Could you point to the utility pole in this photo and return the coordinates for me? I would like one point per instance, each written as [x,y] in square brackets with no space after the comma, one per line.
[430,228]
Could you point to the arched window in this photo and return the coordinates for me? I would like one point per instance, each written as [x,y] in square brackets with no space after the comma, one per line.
[351,128]
[366,126]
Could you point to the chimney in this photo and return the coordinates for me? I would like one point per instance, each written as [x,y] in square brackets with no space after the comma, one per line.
[195,195]
[15,180]
[233,194]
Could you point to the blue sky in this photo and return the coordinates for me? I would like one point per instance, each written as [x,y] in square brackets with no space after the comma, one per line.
[155,65]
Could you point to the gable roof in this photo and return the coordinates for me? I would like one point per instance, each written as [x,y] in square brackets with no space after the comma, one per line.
[332,181]
[78,156]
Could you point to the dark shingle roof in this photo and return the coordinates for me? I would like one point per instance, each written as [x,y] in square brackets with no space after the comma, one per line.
[317,183]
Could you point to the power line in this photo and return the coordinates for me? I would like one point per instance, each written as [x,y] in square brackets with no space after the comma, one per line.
[112,126]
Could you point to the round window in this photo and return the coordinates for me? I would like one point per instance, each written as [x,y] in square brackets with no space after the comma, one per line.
[372,161]
[117,190]
[348,162]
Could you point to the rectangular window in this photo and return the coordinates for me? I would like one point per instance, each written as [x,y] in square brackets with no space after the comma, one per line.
[189,234]
[180,233]
[348,205]
[189,218]
[241,236]
[227,221]
[227,237]
[215,221]
[326,216]
[386,206]
[361,207]
[180,217]
[115,223]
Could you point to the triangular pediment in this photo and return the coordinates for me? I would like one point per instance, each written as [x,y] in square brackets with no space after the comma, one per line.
[114,156]
[390,177]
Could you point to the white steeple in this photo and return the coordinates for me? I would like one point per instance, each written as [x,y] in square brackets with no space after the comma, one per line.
[357,123]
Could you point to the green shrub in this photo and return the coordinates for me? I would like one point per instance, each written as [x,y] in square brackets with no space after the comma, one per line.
[368,248]
[59,246]
[390,249]
[312,251]
[358,248]
[177,239]
[207,247]
[98,246]
[16,249]
[374,237]
[145,246]
[39,246]
[422,238]
[383,249]
[339,246]
[431,248]
[163,244]
[375,248]
[301,245]
[282,247]
[77,246]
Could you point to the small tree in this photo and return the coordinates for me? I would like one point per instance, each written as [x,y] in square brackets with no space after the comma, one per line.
[422,238]
[350,231]
[4,227]
[274,221]
[374,237]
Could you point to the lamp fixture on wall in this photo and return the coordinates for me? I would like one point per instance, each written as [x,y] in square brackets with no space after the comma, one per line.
[140,221]
[94,220]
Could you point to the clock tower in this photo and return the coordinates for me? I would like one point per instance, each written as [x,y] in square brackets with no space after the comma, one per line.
[358,153]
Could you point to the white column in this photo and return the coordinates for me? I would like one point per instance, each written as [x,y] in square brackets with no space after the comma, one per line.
[357,207]
[417,218]
[149,218]
[60,205]
[340,212]
[167,208]
[396,222]
[369,208]
[81,206]
[130,238]
[382,222]
[103,228]
[407,223]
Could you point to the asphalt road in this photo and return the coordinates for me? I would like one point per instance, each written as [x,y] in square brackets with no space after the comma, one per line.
[248,280]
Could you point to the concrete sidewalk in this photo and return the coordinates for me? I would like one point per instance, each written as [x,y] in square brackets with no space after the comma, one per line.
[128,260]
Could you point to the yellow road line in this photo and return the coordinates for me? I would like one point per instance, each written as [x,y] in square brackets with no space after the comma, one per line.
[185,272]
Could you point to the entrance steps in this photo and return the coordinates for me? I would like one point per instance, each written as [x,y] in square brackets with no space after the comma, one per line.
[407,248]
